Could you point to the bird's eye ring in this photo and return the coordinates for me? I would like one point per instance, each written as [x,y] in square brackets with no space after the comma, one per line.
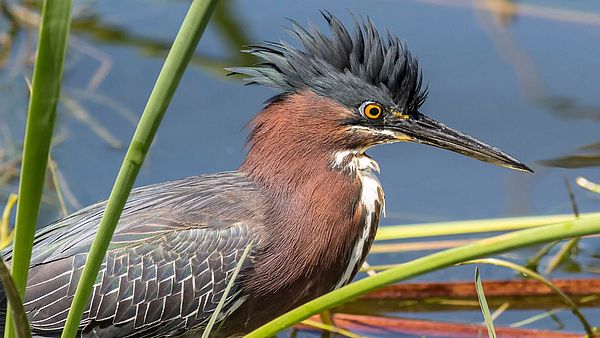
[372,110]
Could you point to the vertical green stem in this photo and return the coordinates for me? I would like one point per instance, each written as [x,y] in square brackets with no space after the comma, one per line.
[45,93]
[22,329]
[179,56]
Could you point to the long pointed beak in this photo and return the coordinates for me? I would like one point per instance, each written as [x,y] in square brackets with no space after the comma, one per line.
[425,130]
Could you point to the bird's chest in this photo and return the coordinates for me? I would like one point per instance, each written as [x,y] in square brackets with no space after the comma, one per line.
[371,205]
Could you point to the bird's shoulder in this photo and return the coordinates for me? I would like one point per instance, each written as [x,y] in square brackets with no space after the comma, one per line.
[210,202]
[172,253]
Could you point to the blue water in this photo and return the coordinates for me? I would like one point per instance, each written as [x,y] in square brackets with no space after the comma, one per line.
[529,87]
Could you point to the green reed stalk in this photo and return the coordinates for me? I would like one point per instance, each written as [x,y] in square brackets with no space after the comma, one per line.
[421,230]
[22,329]
[45,94]
[485,247]
[177,60]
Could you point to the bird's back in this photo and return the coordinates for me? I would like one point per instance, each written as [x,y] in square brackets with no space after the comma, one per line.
[167,266]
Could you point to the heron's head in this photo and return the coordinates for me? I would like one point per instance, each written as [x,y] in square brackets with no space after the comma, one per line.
[350,91]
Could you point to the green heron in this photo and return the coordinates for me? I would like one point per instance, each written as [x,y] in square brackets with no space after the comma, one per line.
[306,197]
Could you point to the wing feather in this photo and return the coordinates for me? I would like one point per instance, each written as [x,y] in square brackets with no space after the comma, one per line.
[174,249]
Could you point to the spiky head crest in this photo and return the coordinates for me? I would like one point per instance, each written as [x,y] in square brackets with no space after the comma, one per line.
[347,68]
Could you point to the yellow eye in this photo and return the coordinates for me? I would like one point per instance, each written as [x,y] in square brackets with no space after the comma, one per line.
[373,110]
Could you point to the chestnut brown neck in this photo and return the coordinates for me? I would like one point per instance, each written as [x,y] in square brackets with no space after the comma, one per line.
[292,139]
[314,217]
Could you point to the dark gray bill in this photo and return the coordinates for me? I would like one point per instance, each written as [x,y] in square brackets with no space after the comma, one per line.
[422,129]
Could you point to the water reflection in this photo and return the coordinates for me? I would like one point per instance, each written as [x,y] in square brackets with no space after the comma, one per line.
[18,24]
[576,160]
[229,27]
[533,87]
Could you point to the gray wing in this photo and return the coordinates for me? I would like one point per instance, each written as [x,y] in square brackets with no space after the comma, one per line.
[173,252]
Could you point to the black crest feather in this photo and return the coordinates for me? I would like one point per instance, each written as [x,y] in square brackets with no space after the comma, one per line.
[349,68]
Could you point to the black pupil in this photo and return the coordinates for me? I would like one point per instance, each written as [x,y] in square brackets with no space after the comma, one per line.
[374,111]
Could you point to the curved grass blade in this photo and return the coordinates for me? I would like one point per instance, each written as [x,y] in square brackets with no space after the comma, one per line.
[45,94]
[485,247]
[534,262]
[530,273]
[535,318]
[6,235]
[485,310]
[22,329]
[562,255]
[219,308]
[177,60]
[587,184]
